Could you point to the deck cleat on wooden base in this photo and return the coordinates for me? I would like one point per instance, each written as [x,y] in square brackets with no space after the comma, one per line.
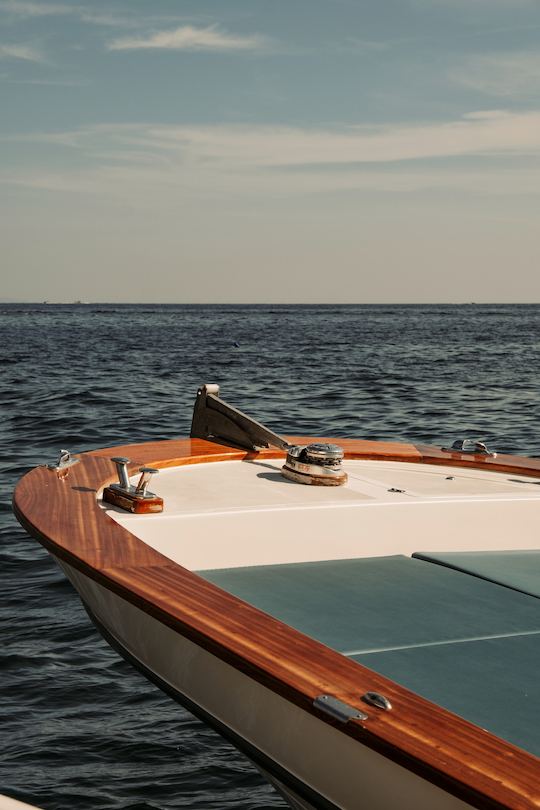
[131,498]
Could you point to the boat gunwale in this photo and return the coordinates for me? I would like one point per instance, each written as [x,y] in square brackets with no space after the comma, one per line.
[64,515]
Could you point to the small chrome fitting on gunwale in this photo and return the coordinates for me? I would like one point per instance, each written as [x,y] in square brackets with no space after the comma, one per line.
[378,700]
[62,465]
[470,447]
[317,464]
[338,709]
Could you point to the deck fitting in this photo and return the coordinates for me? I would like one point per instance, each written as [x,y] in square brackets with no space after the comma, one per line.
[337,709]
[378,700]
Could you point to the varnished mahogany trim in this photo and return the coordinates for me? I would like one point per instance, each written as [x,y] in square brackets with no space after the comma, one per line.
[64,515]
[518,465]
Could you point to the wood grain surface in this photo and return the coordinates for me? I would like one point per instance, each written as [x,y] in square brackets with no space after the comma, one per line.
[65,516]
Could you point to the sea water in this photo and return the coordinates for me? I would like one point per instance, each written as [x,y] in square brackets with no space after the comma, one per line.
[78,727]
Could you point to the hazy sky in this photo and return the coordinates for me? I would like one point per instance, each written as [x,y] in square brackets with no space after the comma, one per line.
[270,150]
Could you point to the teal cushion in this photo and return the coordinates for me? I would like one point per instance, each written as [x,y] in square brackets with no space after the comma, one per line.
[514,569]
[468,644]
[380,602]
[493,683]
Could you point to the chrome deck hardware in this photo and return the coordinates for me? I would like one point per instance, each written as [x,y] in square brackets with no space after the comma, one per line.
[378,700]
[216,420]
[146,475]
[123,477]
[64,462]
[318,464]
[132,498]
[337,709]
[123,484]
[470,447]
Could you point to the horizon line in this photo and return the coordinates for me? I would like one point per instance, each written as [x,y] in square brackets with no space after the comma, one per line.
[271,303]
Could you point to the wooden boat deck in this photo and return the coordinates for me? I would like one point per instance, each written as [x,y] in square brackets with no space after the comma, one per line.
[461,758]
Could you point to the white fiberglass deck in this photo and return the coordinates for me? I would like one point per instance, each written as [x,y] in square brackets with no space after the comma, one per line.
[242,513]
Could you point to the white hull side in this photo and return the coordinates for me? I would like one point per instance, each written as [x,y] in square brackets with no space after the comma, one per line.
[296,748]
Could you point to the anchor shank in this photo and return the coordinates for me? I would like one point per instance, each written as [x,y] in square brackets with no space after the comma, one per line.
[216,420]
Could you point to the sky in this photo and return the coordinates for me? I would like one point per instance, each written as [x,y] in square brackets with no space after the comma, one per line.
[303,151]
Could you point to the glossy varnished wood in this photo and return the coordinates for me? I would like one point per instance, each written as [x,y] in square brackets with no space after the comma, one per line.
[65,516]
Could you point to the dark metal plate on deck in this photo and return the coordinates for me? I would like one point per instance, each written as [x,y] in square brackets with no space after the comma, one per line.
[338,709]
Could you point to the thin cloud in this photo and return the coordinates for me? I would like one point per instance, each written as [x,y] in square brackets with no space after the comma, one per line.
[22,8]
[189,38]
[501,74]
[144,166]
[25,53]
[144,185]
[243,148]
[26,9]
[478,133]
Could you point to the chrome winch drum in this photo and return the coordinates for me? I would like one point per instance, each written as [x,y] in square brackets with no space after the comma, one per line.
[318,464]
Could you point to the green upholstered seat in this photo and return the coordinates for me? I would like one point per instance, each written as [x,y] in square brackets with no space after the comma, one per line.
[493,683]
[459,640]
[514,569]
[381,602]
